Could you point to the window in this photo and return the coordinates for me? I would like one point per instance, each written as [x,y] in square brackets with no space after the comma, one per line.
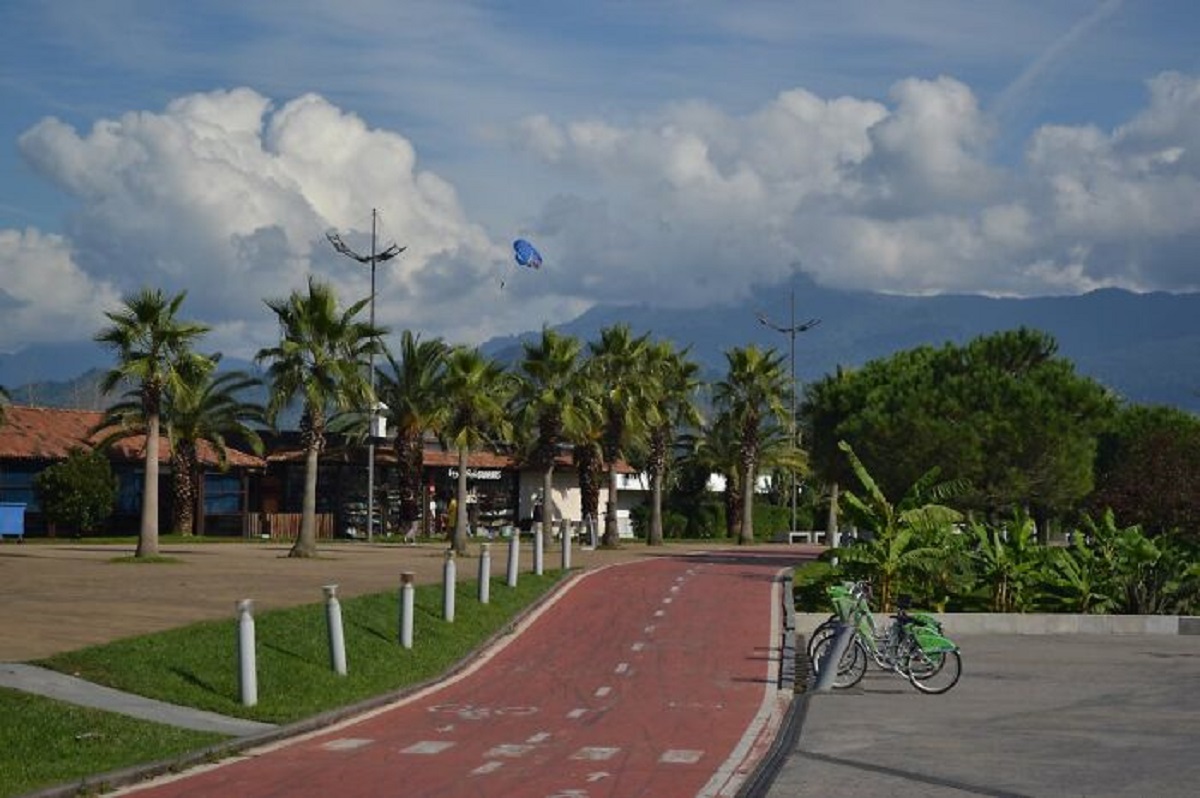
[222,494]
[16,484]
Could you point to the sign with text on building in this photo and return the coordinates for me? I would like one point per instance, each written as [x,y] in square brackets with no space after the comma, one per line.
[477,473]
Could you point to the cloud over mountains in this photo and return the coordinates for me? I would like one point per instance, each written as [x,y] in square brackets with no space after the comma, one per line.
[228,194]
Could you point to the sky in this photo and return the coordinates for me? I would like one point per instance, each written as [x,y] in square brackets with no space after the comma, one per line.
[677,152]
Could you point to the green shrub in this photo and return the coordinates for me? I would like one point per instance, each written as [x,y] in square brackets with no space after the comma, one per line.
[79,492]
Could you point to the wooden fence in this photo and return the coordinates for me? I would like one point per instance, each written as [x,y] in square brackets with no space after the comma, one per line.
[285,526]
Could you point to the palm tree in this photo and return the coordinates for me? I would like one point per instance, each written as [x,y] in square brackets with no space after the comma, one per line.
[153,348]
[675,388]
[587,454]
[412,389]
[715,450]
[752,394]
[618,365]
[547,401]
[476,394]
[198,409]
[206,409]
[321,359]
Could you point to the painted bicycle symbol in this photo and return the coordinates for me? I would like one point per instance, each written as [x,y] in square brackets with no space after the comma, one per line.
[472,712]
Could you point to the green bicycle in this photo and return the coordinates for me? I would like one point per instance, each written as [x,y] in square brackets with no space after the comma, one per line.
[912,645]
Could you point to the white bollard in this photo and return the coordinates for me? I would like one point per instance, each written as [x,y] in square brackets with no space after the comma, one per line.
[565,529]
[406,608]
[538,548]
[514,556]
[247,660]
[337,637]
[827,668]
[449,578]
[485,573]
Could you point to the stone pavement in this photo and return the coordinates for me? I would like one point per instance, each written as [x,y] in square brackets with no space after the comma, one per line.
[1033,715]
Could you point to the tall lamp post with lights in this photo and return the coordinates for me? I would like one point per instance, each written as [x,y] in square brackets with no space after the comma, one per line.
[378,422]
[791,330]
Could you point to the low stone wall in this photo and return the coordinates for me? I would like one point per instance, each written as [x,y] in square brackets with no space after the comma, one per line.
[968,623]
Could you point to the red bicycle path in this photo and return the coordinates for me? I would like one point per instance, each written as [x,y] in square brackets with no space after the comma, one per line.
[657,678]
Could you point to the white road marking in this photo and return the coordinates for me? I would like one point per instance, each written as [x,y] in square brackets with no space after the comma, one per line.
[510,750]
[487,767]
[638,646]
[540,737]
[681,756]
[346,744]
[426,747]
[595,753]
[576,713]
[622,667]
[601,692]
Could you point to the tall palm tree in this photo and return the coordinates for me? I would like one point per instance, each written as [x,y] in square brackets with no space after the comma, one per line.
[206,408]
[412,389]
[547,401]
[587,453]
[321,358]
[715,449]
[153,346]
[618,364]
[675,391]
[752,393]
[476,395]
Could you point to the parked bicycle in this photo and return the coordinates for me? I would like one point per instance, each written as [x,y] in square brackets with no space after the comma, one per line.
[912,645]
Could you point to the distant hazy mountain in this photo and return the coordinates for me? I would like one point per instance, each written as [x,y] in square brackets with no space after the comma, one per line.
[1146,347]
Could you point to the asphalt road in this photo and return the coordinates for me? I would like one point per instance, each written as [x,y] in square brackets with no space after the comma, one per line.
[1034,715]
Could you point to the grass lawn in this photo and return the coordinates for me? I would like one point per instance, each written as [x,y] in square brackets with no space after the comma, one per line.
[44,742]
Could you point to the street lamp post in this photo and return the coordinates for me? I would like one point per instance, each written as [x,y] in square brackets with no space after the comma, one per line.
[791,331]
[373,259]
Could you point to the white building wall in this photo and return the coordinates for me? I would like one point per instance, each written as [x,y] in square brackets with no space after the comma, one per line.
[633,490]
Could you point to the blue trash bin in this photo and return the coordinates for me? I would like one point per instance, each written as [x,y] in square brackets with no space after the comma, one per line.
[12,520]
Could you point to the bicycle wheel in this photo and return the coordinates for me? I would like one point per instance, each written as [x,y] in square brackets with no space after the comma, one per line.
[935,672]
[827,628]
[852,666]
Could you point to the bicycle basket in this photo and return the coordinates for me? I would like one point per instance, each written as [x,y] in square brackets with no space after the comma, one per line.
[926,620]
[930,641]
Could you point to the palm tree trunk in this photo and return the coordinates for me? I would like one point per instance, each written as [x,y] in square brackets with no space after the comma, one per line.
[183,508]
[148,535]
[460,518]
[655,538]
[306,541]
[746,534]
[611,532]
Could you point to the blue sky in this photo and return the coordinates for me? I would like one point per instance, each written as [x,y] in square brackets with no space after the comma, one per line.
[673,151]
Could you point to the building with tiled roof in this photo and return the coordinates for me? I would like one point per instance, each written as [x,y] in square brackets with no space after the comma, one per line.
[262,495]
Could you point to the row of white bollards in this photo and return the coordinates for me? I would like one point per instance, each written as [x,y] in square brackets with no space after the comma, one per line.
[247,660]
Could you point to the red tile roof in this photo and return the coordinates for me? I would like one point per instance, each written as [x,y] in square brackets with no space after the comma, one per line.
[46,433]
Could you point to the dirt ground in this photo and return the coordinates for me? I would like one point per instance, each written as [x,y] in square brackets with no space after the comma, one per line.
[61,597]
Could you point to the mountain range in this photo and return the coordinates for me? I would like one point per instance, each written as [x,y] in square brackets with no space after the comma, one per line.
[1145,347]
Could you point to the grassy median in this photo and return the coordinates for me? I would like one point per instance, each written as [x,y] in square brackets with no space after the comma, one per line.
[45,742]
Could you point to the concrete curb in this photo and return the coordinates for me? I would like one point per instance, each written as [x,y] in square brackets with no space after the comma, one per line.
[970,623]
